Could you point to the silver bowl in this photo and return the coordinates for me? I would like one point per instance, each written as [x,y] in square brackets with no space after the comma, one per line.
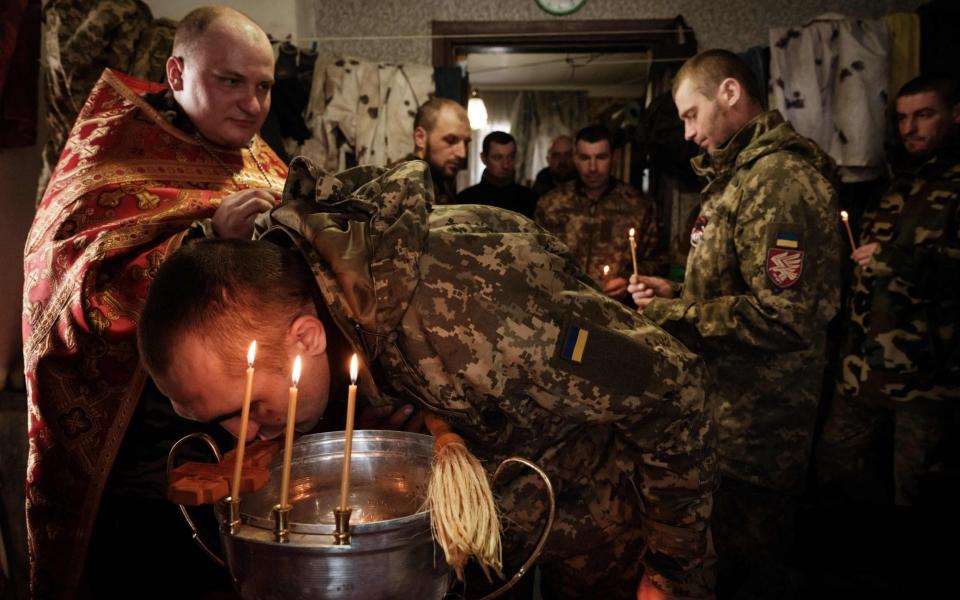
[391,553]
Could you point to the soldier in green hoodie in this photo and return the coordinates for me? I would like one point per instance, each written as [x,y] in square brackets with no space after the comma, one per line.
[761,284]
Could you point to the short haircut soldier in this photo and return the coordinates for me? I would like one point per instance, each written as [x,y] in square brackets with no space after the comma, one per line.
[709,68]
[497,137]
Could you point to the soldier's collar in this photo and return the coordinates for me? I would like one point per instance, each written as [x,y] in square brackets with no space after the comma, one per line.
[725,157]
[611,184]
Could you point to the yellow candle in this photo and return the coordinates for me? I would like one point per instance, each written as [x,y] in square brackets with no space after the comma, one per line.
[846,223]
[244,421]
[348,432]
[288,442]
[633,250]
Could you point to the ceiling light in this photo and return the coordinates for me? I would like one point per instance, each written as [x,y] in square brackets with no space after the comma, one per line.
[477,111]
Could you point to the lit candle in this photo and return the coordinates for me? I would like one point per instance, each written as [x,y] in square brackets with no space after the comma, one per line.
[291,421]
[846,223]
[633,250]
[348,432]
[606,271]
[244,421]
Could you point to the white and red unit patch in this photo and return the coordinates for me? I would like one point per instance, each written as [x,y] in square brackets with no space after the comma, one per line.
[784,266]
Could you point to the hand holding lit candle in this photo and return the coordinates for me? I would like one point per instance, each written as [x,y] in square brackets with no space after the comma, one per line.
[633,250]
[288,443]
[244,422]
[348,432]
[846,222]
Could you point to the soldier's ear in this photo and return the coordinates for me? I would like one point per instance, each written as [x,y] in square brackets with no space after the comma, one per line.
[420,138]
[730,91]
[307,335]
[175,73]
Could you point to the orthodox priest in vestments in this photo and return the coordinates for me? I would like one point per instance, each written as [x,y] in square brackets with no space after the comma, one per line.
[133,181]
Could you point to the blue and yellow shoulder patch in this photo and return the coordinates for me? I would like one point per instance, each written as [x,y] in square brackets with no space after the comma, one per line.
[575,344]
[787,240]
[606,360]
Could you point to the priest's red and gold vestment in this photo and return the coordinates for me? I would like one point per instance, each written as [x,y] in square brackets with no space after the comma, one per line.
[122,197]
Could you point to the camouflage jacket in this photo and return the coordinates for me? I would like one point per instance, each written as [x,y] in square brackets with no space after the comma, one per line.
[596,231]
[762,282]
[477,314]
[81,39]
[902,341]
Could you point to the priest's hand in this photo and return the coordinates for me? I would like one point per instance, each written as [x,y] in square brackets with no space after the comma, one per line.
[645,288]
[235,216]
[397,418]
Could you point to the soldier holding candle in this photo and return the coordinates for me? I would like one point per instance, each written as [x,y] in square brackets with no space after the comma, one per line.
[895,413]
[592,214]
[478,315]
[761,284]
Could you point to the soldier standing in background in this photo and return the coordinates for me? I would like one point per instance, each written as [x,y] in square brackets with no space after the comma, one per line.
[441,136]
[559,167]
[762,282]
[897,397]
[498,185]
[593,214]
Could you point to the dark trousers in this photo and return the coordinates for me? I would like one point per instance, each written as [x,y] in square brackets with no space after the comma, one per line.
[753,532]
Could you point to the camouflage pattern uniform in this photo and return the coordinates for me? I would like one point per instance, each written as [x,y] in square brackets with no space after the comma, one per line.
[762,282]
[901,360]
[468,311]
[445,190]
[81,39]
[596,231]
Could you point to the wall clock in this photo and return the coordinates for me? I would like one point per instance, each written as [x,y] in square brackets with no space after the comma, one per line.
[561,7]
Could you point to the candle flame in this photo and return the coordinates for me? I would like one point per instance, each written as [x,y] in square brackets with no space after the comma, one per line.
[354,369]
[633,232]
[606,270]
[844,215]
[297,366]
[251,353]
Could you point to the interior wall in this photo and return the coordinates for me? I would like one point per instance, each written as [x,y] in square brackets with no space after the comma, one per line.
[732,24]
[279,18]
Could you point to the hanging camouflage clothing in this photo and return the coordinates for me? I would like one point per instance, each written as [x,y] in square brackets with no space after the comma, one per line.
[83,38]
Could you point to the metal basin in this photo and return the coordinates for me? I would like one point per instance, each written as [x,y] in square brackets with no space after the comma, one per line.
[391,552]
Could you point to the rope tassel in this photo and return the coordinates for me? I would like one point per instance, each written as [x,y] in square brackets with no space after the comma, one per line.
[464,517]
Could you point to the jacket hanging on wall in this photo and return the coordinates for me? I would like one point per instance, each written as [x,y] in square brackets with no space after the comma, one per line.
[830,81]
[364,109]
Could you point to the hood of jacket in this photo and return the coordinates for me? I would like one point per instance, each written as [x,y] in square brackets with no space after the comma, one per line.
[764,134]
[362,231]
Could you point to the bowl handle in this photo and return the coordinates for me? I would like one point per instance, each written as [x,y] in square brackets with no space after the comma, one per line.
[171,458]
[548,526]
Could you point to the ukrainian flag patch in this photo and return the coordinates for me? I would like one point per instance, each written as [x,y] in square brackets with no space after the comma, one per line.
[787,240]
[575,344]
